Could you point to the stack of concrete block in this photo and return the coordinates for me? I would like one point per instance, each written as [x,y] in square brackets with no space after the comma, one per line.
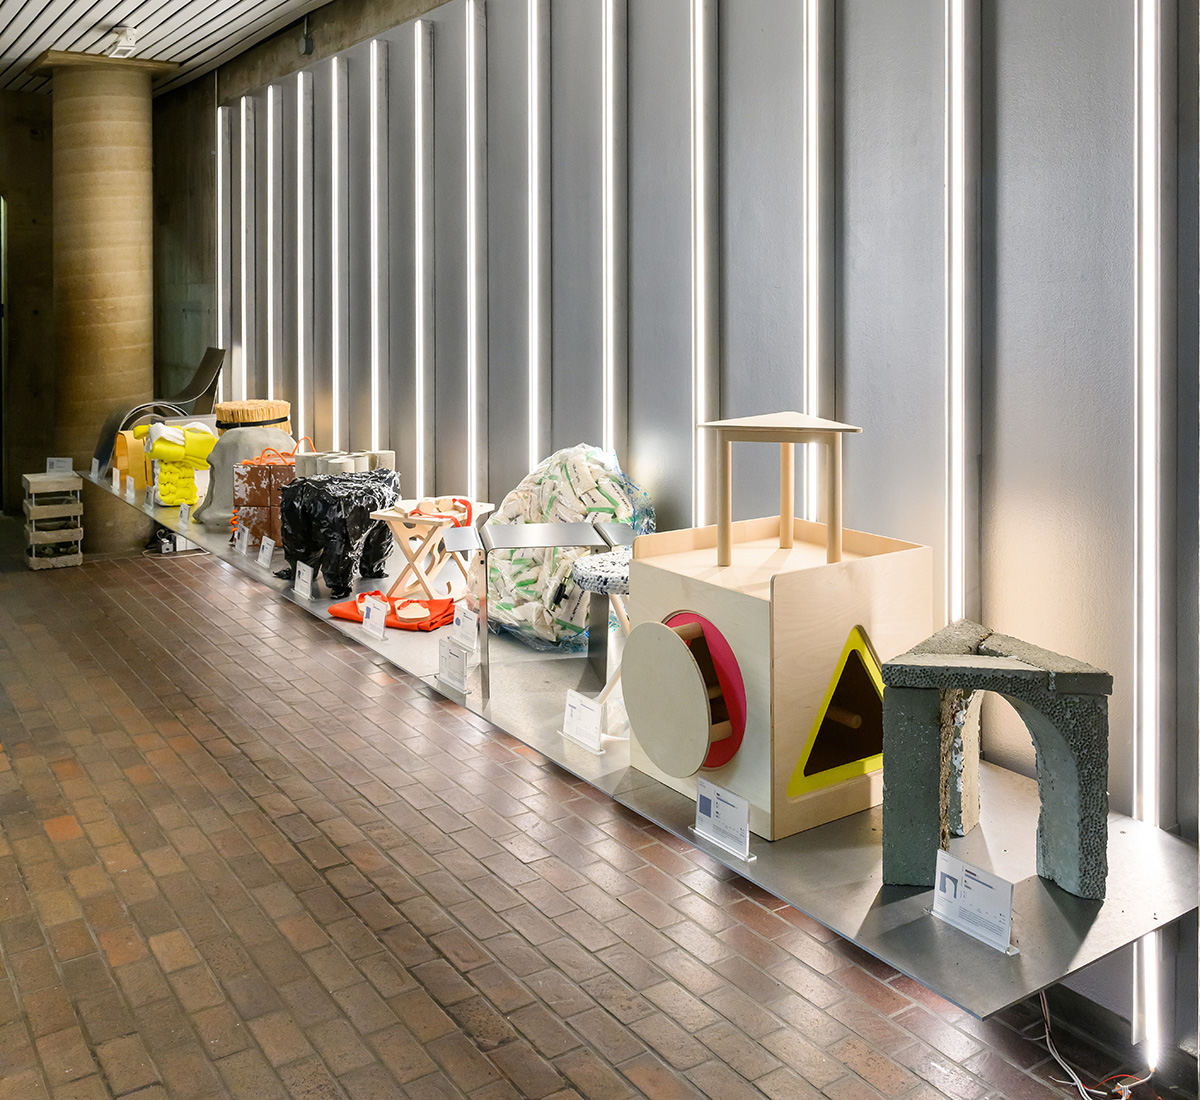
[343,462]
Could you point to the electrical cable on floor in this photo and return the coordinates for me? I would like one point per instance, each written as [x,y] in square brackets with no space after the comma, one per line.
[1085,1092]
[1131,1082]
[1122,1090]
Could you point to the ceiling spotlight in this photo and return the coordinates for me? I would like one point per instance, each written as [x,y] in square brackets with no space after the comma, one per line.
[125,43]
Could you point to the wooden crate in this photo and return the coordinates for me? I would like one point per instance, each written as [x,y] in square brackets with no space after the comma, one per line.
[53,509]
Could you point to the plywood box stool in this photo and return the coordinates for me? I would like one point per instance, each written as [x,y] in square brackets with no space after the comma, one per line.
[784,622]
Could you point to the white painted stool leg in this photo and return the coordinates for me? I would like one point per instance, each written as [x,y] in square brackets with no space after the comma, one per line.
[618,606]
[613,680]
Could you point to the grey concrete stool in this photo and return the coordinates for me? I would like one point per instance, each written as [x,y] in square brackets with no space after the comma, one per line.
[931,752]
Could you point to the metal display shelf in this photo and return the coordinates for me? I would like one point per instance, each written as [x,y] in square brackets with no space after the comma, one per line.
[832,872]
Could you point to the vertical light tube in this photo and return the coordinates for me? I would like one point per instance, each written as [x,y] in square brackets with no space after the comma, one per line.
[608,230]
[335,266]
[222,236]
[272,214]
[811,374]
[303,229]
[955,244]
[472,262]
[1148,445]
[533,217]
[246,182]
[377,244]
[700,304]
[419,320]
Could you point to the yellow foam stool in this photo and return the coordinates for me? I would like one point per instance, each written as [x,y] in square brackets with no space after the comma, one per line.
[177,453]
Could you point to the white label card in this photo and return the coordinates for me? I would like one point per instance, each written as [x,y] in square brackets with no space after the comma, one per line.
[375,613]
[303,584]
[583,722]
[452,665]
[241,541]
[149,498]
[265,549]
[130,489]
[116,480]
[974,901]
[723,818]
[185,515]
[466,628]
[60,466]
[95,467]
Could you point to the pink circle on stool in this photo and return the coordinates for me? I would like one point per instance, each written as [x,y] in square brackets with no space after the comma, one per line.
[729,676]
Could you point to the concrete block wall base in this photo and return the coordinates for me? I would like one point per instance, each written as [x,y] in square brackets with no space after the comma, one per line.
[931,752]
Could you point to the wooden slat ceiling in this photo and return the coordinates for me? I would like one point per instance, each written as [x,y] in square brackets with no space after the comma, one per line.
[198,35]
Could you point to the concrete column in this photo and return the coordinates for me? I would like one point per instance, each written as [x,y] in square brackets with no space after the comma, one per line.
[103,293]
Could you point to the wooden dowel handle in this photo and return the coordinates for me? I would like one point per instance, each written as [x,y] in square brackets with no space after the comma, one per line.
[719,731]
[844,717]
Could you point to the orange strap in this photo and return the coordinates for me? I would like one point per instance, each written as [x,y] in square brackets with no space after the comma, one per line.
[265,459]
[278,460]
[459,521]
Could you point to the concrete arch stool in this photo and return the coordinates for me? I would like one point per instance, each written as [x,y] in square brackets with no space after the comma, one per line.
[931,752]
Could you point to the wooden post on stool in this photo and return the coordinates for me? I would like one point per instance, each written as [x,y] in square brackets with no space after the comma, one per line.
[833,497]
[787,495]
[787,429]
[725,501]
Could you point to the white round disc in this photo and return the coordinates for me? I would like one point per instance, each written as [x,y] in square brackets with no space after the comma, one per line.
[666,699]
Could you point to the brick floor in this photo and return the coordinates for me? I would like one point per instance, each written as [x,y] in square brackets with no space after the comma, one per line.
[242,857]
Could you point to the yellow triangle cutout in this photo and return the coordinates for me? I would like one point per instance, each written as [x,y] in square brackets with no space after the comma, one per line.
[846,738]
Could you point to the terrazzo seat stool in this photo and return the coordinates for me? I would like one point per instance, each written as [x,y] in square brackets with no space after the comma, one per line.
[606,578]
